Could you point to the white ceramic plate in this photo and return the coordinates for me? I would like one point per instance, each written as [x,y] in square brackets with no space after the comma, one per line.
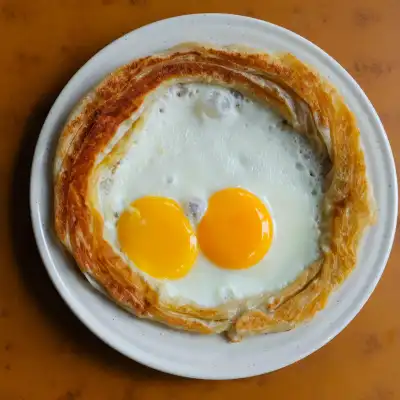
[211,357]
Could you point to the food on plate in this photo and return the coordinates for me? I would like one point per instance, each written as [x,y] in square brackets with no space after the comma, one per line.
[213,190]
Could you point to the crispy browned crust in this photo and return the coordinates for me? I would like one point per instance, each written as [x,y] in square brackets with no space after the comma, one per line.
[307,101]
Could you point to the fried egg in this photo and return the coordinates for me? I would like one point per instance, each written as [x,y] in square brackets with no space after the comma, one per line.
[215,199]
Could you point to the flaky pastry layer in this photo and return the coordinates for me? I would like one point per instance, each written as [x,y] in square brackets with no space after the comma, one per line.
[303,98]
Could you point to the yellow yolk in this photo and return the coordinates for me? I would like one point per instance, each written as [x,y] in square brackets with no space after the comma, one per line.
[237,229]
[156,235]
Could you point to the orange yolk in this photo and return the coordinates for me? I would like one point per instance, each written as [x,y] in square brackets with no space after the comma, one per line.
[157,236]
[236,230]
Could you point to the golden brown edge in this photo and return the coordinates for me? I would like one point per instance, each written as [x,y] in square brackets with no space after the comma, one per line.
[346,208]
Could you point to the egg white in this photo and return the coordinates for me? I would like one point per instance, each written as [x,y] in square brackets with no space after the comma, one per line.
[196,139]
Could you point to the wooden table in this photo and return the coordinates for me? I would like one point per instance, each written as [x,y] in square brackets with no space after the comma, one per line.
[45,352]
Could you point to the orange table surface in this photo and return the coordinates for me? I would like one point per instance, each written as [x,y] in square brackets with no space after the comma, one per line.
[45,352]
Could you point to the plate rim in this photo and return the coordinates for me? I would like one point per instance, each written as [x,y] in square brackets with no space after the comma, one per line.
[92,324]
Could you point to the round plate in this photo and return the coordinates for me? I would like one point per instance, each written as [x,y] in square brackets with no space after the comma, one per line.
[181,353]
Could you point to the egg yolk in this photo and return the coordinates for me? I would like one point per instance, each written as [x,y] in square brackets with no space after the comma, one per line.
[157,236]
[236,230]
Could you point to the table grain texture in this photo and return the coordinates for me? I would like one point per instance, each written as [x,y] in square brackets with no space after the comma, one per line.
[45,352]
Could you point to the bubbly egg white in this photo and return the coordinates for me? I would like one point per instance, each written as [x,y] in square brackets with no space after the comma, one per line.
[196,139]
